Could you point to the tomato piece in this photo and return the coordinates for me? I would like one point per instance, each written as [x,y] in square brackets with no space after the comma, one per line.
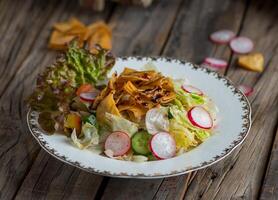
[73,121]
[84,88]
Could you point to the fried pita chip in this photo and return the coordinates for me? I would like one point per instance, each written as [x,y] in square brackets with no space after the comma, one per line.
[59,40]
[64,27]
[96,33]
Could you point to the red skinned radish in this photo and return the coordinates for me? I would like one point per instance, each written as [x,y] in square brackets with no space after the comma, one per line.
[191,89]
[118,142]
[200,117]
[222,36]
[215,62]
[88,96]
[241,45]
[246,90]
[163,145]
[210,67]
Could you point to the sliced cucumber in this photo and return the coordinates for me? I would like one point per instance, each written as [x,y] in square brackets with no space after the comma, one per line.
[140,142]
[91,119]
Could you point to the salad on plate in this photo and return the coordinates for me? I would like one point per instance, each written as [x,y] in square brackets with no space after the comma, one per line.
[132,115]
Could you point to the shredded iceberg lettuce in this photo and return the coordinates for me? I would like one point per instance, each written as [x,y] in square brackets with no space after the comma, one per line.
[117,123]
[90,136]
[189,100]
[186,135]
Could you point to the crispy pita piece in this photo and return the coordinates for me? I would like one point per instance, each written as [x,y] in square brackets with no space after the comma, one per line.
[95,26]
[59,40]
[76,23]
[80,32]
[64,27]
[135,92]
[99,33]
[167,98]
[107,105]
[127,71]
[100,37]
[106,90]
[130,88]
[134,111]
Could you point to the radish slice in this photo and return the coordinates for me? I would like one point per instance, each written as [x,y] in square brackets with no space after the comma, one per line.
[191,89]
[210,67]
[156,120]
[215,62]
[241,45]
[88,96]
[222,36]
[199,117]
[163,145]
[245,90]
[118,142]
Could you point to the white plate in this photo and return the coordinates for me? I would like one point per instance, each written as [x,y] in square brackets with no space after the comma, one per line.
[235,115]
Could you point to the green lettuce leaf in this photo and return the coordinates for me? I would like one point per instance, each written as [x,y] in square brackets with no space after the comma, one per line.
[184,132]
[89,68]
[90,136]
[117,123]
[188,100]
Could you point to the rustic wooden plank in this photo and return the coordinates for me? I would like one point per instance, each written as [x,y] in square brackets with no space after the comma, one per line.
[19,35]
[239,175]
[139,31]
[269,189]
[49,178]
[38,184]
[181,40]
[26,39]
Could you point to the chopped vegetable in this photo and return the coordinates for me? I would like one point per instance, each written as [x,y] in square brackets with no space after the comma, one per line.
[222,36]
[117,123]
[89,96]
[91,119]
[199,117]
[163,145]
[241,45]
[89,136]
[86,87]
[215,62]
[73,121]
[139,158]
[140,142]
[183,130]
[254,62]
[118,142]
[188,100]
[246,90]
[157,120]
[191,89]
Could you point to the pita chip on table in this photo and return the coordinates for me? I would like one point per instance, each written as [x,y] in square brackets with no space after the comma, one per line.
[253,62]
[93,34]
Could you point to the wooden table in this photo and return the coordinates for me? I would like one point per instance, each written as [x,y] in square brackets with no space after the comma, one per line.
[174,28]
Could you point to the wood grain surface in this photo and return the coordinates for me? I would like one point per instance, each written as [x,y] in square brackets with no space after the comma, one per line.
[178,28]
